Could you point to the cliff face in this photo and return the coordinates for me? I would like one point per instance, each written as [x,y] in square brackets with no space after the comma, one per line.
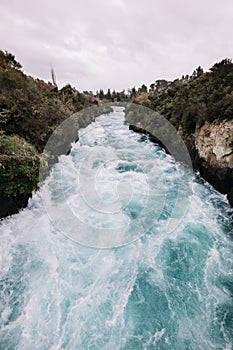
[200,107]
[211,149]
[214,143]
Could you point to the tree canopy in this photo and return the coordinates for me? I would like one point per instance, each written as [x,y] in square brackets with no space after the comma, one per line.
[192,100]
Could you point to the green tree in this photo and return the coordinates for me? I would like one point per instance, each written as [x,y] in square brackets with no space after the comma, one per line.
[101,94]
[143,89]
[108,95]
[133,93]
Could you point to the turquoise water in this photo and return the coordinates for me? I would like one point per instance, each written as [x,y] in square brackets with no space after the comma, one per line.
[169,289]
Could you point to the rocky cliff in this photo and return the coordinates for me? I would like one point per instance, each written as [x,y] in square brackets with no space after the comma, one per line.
[213,143]
[210,148]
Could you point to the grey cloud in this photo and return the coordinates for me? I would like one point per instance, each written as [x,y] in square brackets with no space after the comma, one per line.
[116,43]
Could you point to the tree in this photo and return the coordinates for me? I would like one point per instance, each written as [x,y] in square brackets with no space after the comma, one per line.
[101,94]
[114,95]
[199,71]
[122,95]
[133,92]
[7,59]
[142,89]
[161,85]
[152,87]
[53,77]
[223,67]
[108,95]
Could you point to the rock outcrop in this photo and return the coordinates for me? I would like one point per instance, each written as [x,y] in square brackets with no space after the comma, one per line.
[211,150]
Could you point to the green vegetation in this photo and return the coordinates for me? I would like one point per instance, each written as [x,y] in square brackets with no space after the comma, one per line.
[19,162]
[30,110]
[190,101]
[111,96]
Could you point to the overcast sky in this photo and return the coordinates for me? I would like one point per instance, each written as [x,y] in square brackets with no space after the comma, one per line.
[116,43]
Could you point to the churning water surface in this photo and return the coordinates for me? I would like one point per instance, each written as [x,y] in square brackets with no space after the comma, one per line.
[168,289]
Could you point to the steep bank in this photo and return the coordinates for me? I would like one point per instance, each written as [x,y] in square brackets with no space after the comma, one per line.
[30,110]
[171,289]
[211,150]
[19,164]
[200,107]
[20,161]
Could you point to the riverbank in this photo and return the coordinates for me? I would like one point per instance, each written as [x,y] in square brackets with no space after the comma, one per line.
[30,111]
[200,107]
[210,152]
[20,162]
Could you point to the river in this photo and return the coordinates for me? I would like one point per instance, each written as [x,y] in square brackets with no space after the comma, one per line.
[161,288]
